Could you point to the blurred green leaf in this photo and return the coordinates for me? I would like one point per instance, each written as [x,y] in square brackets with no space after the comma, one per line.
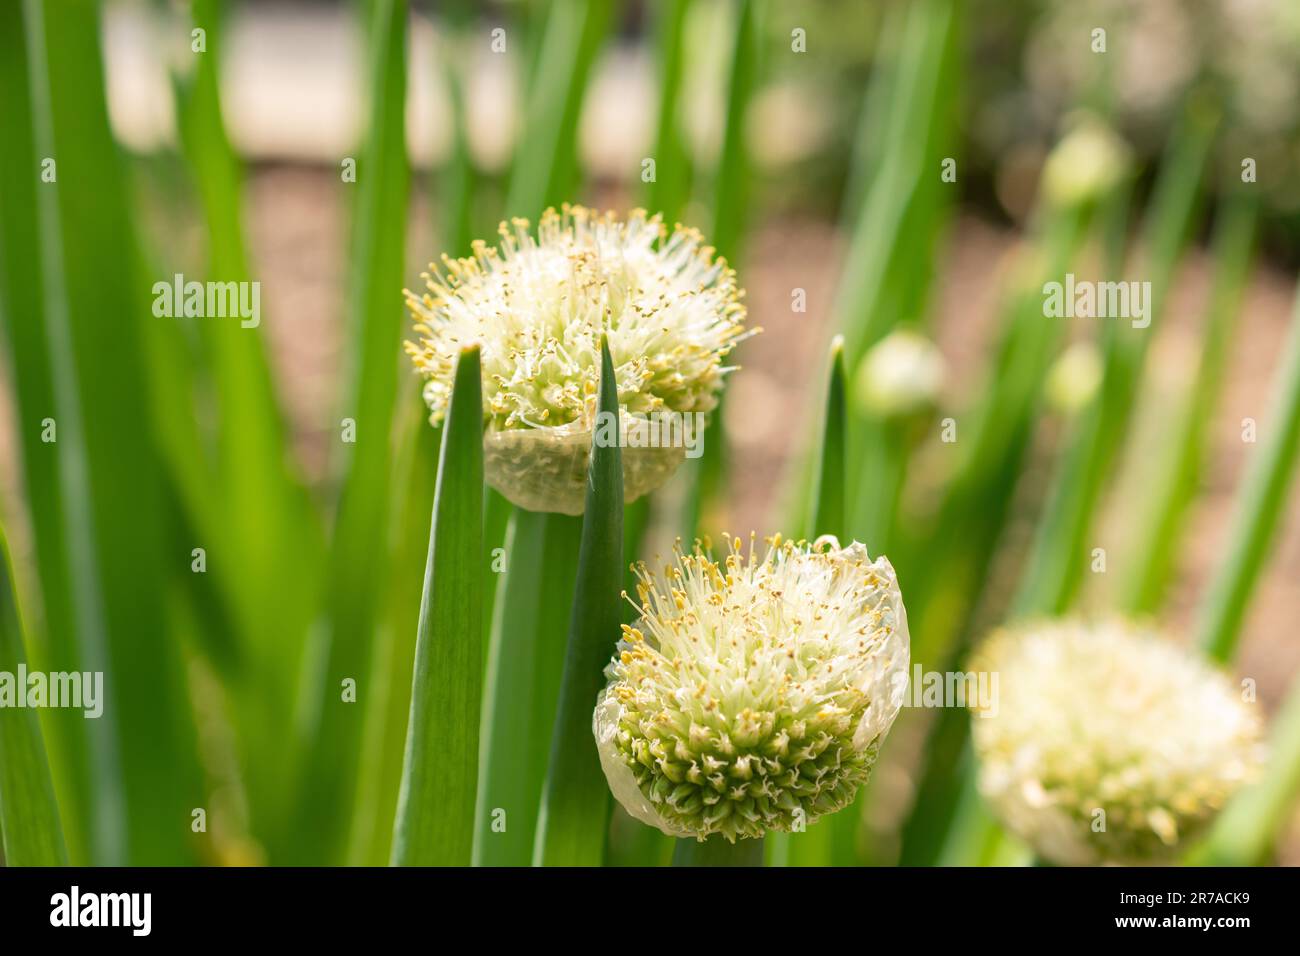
[379,778]
[1162,531]
[361,528]
[29,815]
[668,193]
[972,516]
[1058,558]
[705,478]
[266,542]
[894,211]
[1259,511]
[545,167]
[31,367]
[731,175]
[574,818]
[117,535]
[441,766]
[907,181]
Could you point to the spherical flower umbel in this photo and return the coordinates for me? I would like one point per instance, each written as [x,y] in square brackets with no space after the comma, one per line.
[537,306]
[754,692]
[1107,743]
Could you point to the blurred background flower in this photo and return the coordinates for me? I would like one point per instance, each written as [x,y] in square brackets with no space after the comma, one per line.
[1107,743]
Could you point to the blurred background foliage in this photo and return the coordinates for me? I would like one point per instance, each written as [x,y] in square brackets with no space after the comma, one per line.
[330,150]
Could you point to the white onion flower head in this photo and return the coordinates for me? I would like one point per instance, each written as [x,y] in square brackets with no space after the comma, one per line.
[754,692]
[1108,743]
[901,374]
[537,306]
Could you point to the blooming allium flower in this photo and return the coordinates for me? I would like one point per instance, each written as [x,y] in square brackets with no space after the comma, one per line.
[753,694]
[1107,743]
[538,306]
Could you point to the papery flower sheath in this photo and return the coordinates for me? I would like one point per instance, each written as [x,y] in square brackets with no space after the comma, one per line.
[1108,743]
[754,692]
[538,306]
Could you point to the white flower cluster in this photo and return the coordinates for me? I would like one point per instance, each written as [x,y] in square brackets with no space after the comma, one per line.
[753,693]
[538,307]
[1109,743]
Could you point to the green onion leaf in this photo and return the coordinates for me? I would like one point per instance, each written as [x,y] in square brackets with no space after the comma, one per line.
[436,802]
[574,818]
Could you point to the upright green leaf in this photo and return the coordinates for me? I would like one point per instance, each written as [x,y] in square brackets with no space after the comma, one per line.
[574,818]
[436,802]
[29,815]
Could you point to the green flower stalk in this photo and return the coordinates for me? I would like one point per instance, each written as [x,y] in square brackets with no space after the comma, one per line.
[1107,743]
[538,306]
[753,693]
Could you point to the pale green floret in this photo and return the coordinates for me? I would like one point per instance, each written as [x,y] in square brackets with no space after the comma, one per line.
[1107,743]
[538,306]
[753,694]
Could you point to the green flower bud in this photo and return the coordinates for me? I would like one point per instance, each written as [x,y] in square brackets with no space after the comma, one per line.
[901,374]
[1086,164]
